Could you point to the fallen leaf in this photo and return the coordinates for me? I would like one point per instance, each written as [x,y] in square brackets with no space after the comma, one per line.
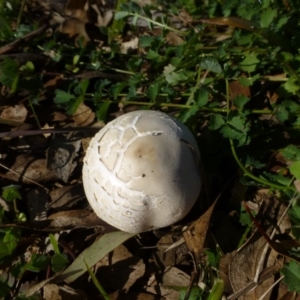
[16,113]
[66,196]
[77,9]
[52,291]
[252,268]
[93,254]
[130,45]
[174,39]
[27,169]
[74,28]
[195,234]
[61,154]
[236,89]
[136,296]
[65,220]
[83,116]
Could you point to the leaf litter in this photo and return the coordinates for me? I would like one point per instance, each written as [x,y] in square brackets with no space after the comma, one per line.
[47,172]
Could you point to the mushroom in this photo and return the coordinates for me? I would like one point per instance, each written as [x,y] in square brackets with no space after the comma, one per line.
[141,171]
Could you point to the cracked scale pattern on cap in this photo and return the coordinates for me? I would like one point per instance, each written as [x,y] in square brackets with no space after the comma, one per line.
[139,175]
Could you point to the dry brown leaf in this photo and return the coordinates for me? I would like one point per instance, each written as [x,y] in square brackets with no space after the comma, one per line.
[66,197]
[66,220]
[27,169]
[236,89]
[75,219]
[171,276]
[74,28]
[53,82]
[173,39]
[185,17]
[62,153]
[252,267]
[195,234]
[130,45]
[83,116]
[224,271]
[52,291]
[77,9]
[17,113]
[166,258]
[136,296]
[297,185]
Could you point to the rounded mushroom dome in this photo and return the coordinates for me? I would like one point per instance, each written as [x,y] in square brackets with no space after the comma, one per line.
[141,171]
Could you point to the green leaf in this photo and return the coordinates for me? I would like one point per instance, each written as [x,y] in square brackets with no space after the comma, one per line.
[291,85]
[131,92]
[245,81]
[102,111]
[10,194]
[238,123]
[54,243]
[196,294]
[249,63]
[240,101]
[146,40]
[291,152]
[291,273]
[4,289]
[94,253]
[230,132]
[59,262]
[83,85]
[295,169]
[11,239]
[121,14]
[9,69]
[62,97]
[216,121]
[117,88]
[3,249]
[201,97]
[294,214]
[153,91]
[185,114]
[217,290]
[210,64]
[267,17]
[211,257]
[282,114]
[252,162]
[118,24]
[38,262]
[28,67]
[175,78]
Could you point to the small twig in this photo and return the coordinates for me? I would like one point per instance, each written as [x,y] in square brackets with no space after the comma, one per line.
[23,39]
[43,131]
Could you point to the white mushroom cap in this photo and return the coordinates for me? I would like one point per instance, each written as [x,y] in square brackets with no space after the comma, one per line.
[141,171]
